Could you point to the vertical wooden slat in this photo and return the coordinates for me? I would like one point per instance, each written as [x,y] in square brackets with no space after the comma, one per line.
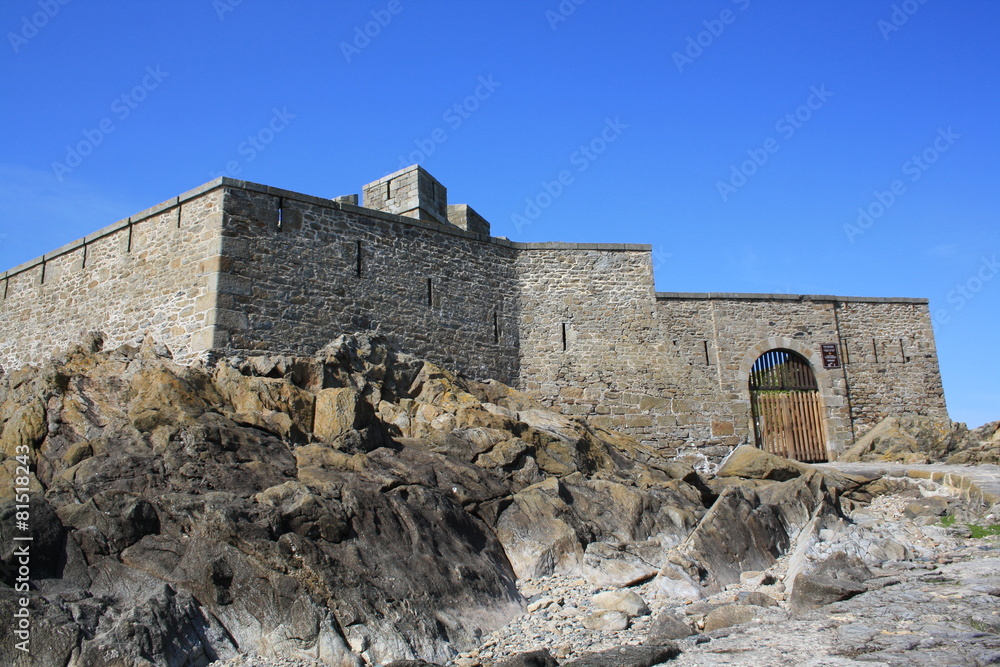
[820,431]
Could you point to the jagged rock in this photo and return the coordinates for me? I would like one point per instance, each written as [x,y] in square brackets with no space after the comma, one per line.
[667,626]
[627,602]
[339,410]
[22,428]
[628,656]
[737,534]
[355,505]
[751,463]
[840,565]
[926,440]
[811,591]
[547,526]
[608,565]
[729,615]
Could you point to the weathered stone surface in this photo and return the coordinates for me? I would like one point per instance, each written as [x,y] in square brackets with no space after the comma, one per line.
[606,620]
[913,439]
[339,410]
[628,656]
[618,565]
[729,615]
[811,591]
[757,599]
[667,626]
[540,658]
[752,463]
[737,534]
[627,602]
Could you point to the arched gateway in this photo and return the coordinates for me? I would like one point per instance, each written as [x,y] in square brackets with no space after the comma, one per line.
[787,412]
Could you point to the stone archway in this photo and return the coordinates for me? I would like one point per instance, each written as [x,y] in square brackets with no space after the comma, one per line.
[787,387]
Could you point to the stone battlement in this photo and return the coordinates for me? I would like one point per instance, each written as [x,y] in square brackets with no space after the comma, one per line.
[233,266]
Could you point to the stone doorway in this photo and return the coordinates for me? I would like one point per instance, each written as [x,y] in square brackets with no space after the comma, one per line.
[786,406]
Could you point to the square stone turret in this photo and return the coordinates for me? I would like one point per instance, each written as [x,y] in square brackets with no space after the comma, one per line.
[411,192]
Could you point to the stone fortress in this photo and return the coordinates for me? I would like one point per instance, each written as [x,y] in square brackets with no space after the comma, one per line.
[236,267]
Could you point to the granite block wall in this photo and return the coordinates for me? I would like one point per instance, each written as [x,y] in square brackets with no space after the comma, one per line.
[146,275]
[294,283]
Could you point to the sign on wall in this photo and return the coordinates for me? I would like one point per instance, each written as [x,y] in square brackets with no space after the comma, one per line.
[831,355]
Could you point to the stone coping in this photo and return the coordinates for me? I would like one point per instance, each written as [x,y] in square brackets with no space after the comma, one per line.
[742,296]
[224,181]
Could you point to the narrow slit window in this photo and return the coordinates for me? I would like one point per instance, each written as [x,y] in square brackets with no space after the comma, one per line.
[430,292]
[42,281]
[875,349]
[129,248]
[565,340]
[902,351]
[847,351]
[281,206]
[6,286]
[708,362]
[496,327]
[359,265]
[83,263]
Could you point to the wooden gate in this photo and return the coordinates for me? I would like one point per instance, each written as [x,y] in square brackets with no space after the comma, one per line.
[787,412]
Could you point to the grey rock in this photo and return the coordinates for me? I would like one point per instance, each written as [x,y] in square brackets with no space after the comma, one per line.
[628,656]
[729,615]
[757,599]
[667,626]
[811,592]
[540,658]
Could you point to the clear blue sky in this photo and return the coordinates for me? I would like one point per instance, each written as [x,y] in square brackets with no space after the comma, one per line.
[738,137]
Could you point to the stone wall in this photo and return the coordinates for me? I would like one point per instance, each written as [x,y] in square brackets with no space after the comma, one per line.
[239,267]
[589,337]
[444,294]
[141,276]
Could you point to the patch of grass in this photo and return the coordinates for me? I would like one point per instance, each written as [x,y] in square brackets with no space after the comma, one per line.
[979,532]
[948,520]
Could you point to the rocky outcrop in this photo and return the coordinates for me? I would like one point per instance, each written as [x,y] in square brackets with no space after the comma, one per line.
[926,440]
[360,504]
